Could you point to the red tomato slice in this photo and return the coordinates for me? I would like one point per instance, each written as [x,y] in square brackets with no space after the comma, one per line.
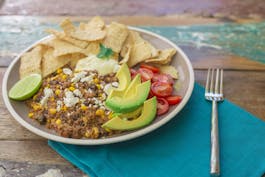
[162,106]
[133,73]
[174,99]
[146,74]
[161,89]
[163,78]
[150,94]
[152,68]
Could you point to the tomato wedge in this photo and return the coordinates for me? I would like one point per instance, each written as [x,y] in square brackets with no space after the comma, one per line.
[175,99]
[133,73]
[161,89]
[152,68]
[165,78]
[162,106]
[146,74]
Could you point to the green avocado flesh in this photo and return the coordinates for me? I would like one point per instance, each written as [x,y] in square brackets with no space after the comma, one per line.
[147,116]
[120,104]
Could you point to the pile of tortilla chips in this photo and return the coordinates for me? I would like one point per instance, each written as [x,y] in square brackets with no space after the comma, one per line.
[74,43]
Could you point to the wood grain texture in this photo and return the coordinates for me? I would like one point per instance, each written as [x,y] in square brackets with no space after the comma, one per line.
[29,169]
[37,152]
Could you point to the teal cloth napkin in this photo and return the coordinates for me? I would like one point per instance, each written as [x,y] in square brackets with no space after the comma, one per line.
[181,147]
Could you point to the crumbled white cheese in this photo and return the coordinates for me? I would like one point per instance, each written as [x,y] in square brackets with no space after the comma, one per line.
[89,90]
[107,89]
[67,71]
[87,79]
[59,104]
[82,100]
[115,84]
[78,76]
[69,99]
[116,68]
[47,94]
[77,93]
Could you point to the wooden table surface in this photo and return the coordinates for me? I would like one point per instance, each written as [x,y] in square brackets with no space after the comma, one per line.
[23,153]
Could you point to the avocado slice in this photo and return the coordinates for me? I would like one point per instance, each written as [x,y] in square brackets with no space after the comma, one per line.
[132,102]
[147,116]
[129,90]
[124,77]
[129,115]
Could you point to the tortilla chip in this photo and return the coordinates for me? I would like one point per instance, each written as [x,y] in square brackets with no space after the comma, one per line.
[63,48]
[50,63]
[92,34]
[62,36]
[67,26]
[126,56]
[140,52]
[74,58]
[96,22]
[93,48]
[30,62]
[167,69]
[164,56]
[116,35]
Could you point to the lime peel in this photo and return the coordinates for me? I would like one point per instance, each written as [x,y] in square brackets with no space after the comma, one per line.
[25,87]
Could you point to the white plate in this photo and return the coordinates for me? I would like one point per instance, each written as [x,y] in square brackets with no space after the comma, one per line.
[186,82]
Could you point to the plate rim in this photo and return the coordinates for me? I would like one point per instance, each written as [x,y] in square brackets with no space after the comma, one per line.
[102,141]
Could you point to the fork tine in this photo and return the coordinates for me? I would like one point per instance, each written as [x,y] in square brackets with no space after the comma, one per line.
[221,82]
[207,81]
[217,81]
[211,87]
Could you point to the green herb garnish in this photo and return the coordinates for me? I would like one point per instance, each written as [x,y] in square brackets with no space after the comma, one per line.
[104,52]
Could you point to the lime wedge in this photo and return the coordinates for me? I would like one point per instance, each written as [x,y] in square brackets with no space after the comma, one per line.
[26,87]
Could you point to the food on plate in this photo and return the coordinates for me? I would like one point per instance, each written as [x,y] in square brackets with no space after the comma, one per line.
[96,80]
[26,87]
[164,56]
[31,62]
[147,115]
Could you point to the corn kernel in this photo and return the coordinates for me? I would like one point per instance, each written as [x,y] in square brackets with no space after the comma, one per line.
[72,85]
[64,77]
[59,70]
[98,86]
[51,98]
[58,122]
[99,112]
[71,88]
[110,116]
[52,111]
[57,92]
[83,107]
[87,134]
[95,130]
[30,115]
[36,106]
[84,119]
[64,108]
[96,81]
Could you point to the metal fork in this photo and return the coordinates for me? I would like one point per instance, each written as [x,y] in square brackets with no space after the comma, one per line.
[214,94]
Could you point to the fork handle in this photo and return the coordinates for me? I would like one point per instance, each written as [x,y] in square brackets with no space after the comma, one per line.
[215,162]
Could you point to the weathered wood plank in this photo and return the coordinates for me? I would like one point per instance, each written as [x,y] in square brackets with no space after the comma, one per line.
[250,84]
[29,169]
[37,152]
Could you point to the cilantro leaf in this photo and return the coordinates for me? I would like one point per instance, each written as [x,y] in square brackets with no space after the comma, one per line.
[104,52]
